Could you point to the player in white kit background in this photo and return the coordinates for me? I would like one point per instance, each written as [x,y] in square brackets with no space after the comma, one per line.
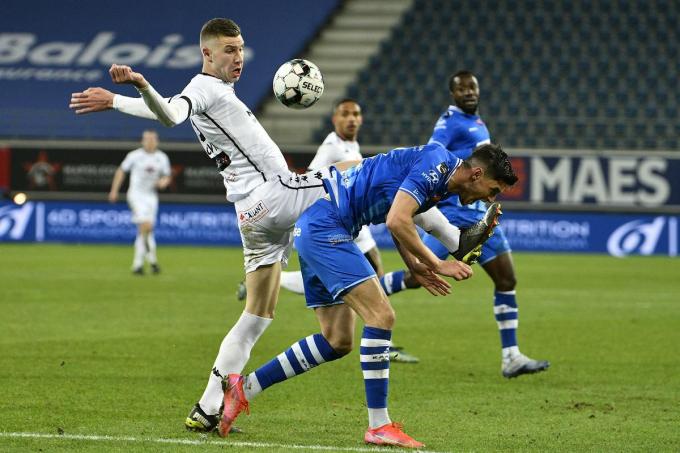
[268,197]
[149,170]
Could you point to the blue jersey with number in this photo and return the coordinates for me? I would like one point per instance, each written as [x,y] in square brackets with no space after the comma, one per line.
[460,133]
[364,194]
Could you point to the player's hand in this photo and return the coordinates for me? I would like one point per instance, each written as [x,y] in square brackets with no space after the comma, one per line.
[91,100]
[456,269]
[113,197]
[429,280]
[124,74]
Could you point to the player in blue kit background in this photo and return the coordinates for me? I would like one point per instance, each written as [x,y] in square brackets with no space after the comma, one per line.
[460,129]
[398,189]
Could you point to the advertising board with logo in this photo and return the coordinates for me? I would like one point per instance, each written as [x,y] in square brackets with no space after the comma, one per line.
[614,180]
[49,50]
[614,234]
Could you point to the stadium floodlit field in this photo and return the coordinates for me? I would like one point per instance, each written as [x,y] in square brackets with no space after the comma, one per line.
[95,359]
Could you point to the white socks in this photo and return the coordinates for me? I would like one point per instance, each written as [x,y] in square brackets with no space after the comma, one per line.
[232,357]
[378,418]
[151,248]
[140,251]
[292,281]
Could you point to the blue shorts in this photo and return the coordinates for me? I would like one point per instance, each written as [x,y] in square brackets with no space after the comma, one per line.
[330,261]
[463,217]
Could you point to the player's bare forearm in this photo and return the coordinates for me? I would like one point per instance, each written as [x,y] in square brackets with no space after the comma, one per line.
[344,165]
[423,275]
[400,223]
[163,182]
[118,179]
[94,99]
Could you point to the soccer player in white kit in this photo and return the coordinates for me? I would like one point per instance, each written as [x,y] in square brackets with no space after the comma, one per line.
[149,170]
[268,197]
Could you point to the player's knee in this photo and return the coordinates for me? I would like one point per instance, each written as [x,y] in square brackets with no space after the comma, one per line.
[388,317]
[506,282]
[341,343]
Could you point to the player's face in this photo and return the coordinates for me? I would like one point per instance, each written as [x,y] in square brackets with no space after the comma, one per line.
[223,57]
[466,93]
[480,187]
[149,141]
[347,120]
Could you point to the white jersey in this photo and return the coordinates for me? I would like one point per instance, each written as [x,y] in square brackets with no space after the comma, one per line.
[230,134]
[335,149]
[145,170]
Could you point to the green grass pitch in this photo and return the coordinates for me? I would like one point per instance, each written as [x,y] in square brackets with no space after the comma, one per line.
[100,360]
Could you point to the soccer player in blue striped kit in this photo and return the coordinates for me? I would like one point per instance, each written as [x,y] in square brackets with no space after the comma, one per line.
[460,129]
[397,188]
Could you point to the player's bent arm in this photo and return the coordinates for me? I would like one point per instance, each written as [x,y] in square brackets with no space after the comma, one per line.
[163,182]
[435,223]
[400,223]
[118,179]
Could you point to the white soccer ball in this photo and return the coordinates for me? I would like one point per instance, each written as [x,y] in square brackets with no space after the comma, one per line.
[298,84]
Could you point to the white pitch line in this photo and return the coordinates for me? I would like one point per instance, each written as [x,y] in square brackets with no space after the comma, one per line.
[225,443]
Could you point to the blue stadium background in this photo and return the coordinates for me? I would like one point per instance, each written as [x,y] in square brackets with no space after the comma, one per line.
[584,94]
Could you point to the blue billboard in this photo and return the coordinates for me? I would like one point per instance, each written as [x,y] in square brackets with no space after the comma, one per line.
[50,49]
[619,180]
[79,222]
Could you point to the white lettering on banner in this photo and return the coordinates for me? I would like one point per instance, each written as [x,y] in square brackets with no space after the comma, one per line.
[23,47]
[560,229]
[62,217]
[17,47]
[14,220]
[636,237]
[632,181]
[107,217]
[197,219]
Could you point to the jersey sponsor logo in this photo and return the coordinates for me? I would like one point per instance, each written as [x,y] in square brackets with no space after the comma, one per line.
[340,238]
[432,177]
[14,220]
[636,237]
[254,213]
[443,168]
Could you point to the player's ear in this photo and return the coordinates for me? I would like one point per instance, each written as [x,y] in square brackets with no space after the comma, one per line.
[477,173]
[205,51]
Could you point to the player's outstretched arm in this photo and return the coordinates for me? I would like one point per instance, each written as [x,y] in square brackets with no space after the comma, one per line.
[91,100]
[98,100]
[169,113]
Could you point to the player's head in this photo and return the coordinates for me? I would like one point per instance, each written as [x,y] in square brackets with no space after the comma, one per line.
[222,49]
[150,140]
[486,173]
[347,119]
[464,90]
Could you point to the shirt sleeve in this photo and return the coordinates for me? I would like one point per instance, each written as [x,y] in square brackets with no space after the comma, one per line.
[444,131]
[165,171]
[128,162]
[425,175]
[197,95]
[326,154]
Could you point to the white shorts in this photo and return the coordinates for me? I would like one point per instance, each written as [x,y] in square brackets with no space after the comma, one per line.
[144,208]
[267,215]
[364,240]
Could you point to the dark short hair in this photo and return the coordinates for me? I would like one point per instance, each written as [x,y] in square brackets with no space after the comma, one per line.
[342,101]
[219,26]
[495,161]
[461,73]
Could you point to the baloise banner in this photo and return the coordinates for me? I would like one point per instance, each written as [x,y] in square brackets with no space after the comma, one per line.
[613,234]
[49,50]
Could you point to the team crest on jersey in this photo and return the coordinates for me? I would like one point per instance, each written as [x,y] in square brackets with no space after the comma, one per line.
[254,213]
[443,168]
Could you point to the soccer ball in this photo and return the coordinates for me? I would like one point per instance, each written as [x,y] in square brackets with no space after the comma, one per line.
[298,84]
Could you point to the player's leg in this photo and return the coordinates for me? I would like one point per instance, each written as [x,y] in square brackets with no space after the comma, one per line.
[139,217]
[150,238]
[496,259]
[292,281]
[334,341]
